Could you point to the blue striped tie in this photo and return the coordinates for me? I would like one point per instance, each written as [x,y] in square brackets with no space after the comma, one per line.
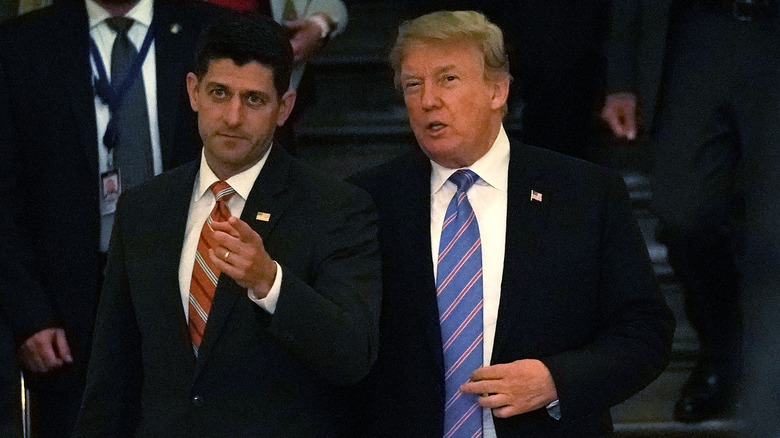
[459,294]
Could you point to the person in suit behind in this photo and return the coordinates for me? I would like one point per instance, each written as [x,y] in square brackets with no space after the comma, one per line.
[249,320]
[515,278]
[56,164]
[715,140]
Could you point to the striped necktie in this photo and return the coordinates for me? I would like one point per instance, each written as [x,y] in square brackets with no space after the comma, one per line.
[204,274]
[459,296]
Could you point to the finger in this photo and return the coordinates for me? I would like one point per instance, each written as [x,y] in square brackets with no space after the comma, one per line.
[491,372]
[225,227]
[245,232]
[613,120]
[493,401]
[506,411]
[235,272]
[48,356]
[630,125]
[480,387]
[295,24]
[61,343]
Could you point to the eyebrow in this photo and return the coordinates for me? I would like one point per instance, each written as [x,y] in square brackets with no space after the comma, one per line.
[436,71]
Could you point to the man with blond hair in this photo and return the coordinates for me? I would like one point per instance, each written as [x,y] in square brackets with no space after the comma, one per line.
[518,295]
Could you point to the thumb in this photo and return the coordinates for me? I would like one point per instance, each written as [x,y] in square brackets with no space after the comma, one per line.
[61,343]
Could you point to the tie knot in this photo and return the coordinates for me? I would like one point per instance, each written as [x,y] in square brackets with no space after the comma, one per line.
[120,25]
[464,179]
[222,191]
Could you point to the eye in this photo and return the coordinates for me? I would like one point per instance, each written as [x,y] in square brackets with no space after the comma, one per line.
[408,85]
[255,100]
[448,79]
[219,93]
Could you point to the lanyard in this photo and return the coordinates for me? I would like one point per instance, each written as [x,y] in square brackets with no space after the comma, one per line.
[111,93]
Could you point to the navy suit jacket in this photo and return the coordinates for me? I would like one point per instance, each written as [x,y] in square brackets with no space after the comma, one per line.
[256,374]
[577,293]
[49,164]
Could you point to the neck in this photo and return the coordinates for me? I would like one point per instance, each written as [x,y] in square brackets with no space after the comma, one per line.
[117,8]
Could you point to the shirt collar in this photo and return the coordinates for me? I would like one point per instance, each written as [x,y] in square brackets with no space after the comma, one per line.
[141,13]
[242,182]
[492,168]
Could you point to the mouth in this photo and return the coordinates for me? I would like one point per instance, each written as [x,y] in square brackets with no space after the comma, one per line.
[230,135]
[435,127]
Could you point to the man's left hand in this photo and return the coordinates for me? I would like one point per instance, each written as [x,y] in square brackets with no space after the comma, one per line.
[305,38]
[513,388]
[242,255]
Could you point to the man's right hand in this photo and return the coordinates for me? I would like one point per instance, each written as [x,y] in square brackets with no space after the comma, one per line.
[620,112]
[45,351]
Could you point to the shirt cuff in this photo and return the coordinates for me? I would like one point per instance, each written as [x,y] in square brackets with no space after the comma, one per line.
[322,23]
[554,409]
[269,302]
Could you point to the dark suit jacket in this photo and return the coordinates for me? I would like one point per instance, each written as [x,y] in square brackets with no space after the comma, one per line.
[256,374]
[49,164]
[636,49]
[577,293]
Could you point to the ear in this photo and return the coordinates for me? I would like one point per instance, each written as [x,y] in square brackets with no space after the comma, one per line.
[192,90]
[500,92]
[286,104]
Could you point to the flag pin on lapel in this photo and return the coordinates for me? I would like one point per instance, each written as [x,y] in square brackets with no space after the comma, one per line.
[536,196]
[262,216]
[175,28]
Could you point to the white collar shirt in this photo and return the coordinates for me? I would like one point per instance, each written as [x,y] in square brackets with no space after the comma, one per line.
[201,204]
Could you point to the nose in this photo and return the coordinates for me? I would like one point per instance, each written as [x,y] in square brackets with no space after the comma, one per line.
[233,112]
[429,97]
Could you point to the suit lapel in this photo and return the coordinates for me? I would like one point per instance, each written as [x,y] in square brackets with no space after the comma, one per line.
[269,195]
[525,225]
[72,49]
[414,231]
[175,209]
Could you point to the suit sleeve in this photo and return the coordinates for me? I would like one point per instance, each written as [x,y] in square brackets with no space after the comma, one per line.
[622,45]
[331,321]
[632,343]
[112,400]
[24,299]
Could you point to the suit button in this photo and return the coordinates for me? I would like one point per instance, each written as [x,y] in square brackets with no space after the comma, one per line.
[197,401]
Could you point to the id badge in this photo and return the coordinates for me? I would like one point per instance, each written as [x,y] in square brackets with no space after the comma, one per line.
[110,189]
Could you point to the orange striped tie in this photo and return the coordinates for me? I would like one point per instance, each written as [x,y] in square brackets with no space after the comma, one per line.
[204,274]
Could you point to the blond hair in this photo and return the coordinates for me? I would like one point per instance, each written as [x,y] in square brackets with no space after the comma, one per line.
[444,26]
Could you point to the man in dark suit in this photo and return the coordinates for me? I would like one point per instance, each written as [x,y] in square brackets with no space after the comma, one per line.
[713,65]
[568,319]
[211,325]
[54,164]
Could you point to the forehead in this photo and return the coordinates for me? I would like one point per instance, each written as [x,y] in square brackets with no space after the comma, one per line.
[251,76]
[429,56]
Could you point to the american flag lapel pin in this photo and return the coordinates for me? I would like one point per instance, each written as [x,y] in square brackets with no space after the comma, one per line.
[536,196]
[262,216]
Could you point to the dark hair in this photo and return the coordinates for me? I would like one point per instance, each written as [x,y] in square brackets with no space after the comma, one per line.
[244,38]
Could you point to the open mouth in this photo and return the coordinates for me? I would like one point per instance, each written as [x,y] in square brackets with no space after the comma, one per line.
[436,126]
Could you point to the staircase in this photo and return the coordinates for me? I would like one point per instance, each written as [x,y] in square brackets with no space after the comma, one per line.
[359,121]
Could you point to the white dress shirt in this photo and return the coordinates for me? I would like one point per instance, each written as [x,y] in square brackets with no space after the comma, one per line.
[201,204]
[488,199]
[104,38]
